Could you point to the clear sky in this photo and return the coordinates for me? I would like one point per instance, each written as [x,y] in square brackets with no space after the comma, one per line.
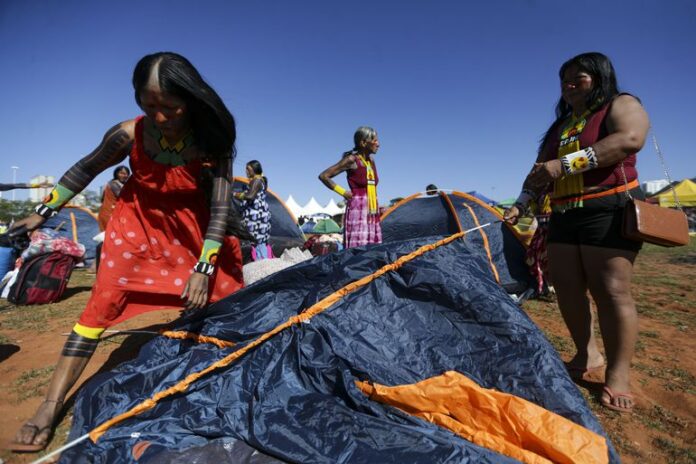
[459,91]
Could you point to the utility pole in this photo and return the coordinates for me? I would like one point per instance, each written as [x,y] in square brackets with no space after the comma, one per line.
[14,180]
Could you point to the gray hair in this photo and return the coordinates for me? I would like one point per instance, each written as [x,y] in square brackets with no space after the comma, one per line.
[364,133]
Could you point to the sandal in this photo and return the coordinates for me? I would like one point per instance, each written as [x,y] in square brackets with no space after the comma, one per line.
[613,396]
[32,447]
[35,447]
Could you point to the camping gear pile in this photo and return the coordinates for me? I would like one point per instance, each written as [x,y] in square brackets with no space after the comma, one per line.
[42,272]
[324,237]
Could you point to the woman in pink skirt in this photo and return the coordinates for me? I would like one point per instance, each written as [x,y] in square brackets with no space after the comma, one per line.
[361,221]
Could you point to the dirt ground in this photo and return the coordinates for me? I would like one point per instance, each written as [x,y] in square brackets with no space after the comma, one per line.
[661,428]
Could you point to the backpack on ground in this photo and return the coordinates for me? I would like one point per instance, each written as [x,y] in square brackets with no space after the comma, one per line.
[42,279]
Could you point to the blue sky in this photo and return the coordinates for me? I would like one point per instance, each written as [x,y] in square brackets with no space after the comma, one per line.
[459,91]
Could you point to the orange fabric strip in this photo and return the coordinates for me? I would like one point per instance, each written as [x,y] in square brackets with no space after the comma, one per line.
[486,245]
[510,227]
[396,205]
[313,310]
[498,421]
[198,338]
[604,193]
[454,211]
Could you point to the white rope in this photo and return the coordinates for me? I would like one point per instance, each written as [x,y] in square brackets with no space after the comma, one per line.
[61,449]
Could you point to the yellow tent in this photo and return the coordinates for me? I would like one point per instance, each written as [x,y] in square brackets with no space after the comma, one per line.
[686,193]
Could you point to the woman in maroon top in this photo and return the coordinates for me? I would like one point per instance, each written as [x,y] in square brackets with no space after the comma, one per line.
[586,163]
[361,220]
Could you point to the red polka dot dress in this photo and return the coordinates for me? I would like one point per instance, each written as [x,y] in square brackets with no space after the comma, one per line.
[153,241]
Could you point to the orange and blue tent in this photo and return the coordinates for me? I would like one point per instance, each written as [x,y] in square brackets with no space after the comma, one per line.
[448,212]
[407,351]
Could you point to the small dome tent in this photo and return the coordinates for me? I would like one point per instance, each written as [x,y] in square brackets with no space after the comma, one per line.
[449,212]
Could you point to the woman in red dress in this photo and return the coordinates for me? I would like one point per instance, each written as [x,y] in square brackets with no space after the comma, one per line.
[163,247]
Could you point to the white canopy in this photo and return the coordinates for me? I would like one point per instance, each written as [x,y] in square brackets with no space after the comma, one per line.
[332,209]
[312,207]
[296,209]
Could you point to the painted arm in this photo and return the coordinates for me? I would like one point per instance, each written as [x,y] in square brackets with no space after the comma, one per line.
[346,163]
[113,149]
[196,289]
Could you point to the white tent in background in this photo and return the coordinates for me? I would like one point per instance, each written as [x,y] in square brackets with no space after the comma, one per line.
[294,207]
[312,208]
[332,208]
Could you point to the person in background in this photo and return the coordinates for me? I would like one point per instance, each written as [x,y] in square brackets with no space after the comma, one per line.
[112,190]
[431,189]
[361,224]
[587,161]
[164,249]
[255,213]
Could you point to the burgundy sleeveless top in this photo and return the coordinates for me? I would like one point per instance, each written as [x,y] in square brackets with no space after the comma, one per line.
[595,129]
[357,178]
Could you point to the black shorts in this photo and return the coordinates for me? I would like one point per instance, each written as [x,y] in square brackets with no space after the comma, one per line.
[598,223]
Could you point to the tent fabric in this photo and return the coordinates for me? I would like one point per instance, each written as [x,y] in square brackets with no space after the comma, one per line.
[293,396]
[495,420]
[285,233]
[686,194]
[444,214]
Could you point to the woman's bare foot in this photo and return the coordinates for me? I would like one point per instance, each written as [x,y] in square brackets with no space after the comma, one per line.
[37,431]
[581,365]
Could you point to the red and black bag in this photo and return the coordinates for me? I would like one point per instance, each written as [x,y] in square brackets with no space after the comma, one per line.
[42,279]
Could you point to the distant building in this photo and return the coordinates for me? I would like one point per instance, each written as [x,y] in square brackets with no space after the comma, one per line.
[38,194]
[653,186]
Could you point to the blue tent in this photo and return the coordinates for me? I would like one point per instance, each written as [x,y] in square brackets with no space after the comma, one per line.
[87,227]
[446,213]
[379,313]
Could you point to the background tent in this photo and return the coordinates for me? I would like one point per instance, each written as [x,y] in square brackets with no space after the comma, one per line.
[285,233]
[293,395]
[686,193]
[326,226]
[444,214]
[84,228]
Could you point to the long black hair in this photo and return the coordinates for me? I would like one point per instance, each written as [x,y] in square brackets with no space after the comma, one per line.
[604,87]
[212,123]
[257,170]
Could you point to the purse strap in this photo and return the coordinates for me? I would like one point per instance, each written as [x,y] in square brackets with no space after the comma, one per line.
[664,169]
